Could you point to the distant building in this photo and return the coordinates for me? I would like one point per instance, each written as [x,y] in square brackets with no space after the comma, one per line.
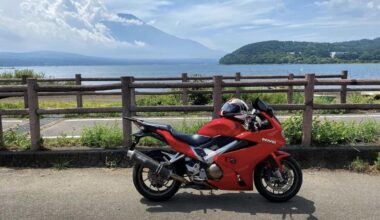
[334,54]
[294,53]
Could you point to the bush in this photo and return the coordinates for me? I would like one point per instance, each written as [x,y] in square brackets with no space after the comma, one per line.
[293,129]
[102,136]
[20,73]
[12,139]
[359,165]
[332,132]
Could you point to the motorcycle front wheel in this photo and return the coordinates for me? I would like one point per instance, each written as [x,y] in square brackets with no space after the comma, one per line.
[271,187]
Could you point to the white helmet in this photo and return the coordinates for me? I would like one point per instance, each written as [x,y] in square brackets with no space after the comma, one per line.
[235,108]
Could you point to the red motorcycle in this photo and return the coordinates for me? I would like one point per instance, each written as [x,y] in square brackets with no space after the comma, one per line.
[228,153]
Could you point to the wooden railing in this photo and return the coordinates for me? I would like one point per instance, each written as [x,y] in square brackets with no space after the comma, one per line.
[129,87]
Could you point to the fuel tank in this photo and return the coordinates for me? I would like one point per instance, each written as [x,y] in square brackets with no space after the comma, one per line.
[222,126]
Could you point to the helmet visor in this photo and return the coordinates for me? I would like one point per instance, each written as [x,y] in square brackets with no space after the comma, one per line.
[229,108]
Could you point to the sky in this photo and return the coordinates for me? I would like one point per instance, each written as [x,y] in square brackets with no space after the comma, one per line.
[223,25]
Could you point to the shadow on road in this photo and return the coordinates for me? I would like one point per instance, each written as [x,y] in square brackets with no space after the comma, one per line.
[241,202]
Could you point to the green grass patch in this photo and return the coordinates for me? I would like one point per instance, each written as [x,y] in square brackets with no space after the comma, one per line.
[332,132]
[102,136]
[14,140]
[358,165]
[61,164]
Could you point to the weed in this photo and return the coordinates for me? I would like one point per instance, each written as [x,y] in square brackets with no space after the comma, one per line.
[359,165]
[110,163]
[332,132]
[12,139]
[377,162]
[61,141]
[102,136]
[61,164]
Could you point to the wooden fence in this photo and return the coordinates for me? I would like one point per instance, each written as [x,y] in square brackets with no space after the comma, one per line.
[217,85]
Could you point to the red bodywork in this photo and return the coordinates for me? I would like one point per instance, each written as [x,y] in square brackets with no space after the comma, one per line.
[240,162]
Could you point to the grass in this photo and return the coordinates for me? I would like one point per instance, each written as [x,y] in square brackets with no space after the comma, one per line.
[102,136]
[377,161]
[14,140]
[361,166]
[61,164]
[61,140]
[324,133]
[24,72]
[333,132]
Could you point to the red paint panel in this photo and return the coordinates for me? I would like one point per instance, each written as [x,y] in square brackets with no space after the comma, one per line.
[221,126]
[177,145]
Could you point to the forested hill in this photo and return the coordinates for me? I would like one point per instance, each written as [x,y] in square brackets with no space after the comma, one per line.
[277,52]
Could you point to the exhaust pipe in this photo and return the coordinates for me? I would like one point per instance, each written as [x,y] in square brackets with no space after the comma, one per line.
[152,164]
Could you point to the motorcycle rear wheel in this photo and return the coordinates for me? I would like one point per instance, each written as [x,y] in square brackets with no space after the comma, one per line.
[152,186]
[274,190]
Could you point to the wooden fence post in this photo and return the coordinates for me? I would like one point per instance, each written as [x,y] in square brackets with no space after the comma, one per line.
[78,81]
[237,79]
[217,95]
[23,81]
[184,95]
[126,99]
[133,97]
[290,89]
[343,90]
[34,119]
[1,134]
[308,112]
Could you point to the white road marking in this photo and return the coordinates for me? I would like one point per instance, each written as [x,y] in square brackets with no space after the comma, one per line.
[66,136]
[12,121]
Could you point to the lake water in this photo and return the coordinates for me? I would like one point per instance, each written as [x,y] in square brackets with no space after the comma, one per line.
[368,71]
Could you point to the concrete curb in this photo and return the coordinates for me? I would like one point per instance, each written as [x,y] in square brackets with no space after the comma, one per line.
[324,157]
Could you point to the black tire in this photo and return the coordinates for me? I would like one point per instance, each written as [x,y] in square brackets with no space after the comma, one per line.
[259,176]
[145,190]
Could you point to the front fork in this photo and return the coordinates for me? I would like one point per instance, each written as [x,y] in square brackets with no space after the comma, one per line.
[275,160]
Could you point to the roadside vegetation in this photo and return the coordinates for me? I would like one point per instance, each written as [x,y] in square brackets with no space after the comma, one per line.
[361,166]
[325,133]
[20,73]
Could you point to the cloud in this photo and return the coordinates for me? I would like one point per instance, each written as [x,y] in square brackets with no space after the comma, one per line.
[63,24]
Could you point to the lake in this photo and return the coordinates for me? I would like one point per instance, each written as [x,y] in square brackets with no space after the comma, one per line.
[368,71]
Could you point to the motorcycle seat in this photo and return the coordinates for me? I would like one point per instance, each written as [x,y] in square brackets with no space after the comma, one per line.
[151,125]
[193,140]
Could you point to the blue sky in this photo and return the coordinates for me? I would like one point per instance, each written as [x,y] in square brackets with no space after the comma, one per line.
[220,25]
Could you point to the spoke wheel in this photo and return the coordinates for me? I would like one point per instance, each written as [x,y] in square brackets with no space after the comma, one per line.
[271,187]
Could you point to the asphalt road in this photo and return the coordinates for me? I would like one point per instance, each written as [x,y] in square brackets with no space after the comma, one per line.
[97,193]
[73,127]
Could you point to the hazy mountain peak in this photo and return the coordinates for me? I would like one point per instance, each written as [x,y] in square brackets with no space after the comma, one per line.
[129,17]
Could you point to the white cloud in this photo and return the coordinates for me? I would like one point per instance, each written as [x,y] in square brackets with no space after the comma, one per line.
[63,24]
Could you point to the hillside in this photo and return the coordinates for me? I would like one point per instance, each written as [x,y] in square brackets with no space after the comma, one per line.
[278,52]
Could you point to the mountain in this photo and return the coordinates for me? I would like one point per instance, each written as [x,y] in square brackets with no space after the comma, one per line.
[156,43]
[278,52]
[91,30]
[53,58]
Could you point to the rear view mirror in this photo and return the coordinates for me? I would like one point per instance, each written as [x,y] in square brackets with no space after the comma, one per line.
[260,105]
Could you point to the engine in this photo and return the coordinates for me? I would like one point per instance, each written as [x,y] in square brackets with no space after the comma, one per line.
[201,172]
[214,172]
